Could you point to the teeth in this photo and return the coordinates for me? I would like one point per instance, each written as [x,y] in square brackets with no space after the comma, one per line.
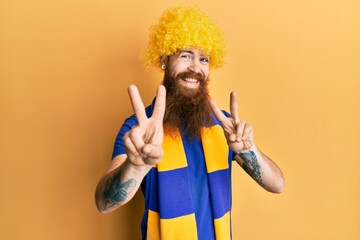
[191,80]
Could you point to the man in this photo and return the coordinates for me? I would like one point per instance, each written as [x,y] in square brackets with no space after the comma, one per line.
[180,149]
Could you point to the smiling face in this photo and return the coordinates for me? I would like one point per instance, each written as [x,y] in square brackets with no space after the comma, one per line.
[188,67]
[187,96]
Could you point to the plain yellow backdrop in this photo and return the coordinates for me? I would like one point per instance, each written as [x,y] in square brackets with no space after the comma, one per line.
[64,70]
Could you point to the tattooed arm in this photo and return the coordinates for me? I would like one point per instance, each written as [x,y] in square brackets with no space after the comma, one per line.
[119,184]
[262,169]
[240,138]
[143,147]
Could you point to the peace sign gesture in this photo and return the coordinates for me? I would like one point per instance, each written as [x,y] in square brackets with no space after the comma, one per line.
[143,143]
[239,134]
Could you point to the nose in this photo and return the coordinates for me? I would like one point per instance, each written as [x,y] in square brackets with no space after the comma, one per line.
[195,67]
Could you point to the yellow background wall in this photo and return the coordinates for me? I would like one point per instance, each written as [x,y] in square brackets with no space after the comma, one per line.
[64,69]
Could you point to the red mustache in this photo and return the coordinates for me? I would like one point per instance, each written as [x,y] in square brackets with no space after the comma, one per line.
[198,76]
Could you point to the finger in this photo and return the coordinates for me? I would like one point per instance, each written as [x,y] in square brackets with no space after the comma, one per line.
[137,103]
[234,107]
[232,138]
[247,144]
[247,132]
[160,103]
[153,153]
[218,113]
[136,138]
[129,146]
[240,130]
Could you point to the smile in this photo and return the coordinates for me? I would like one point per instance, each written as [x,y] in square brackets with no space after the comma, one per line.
[190,82]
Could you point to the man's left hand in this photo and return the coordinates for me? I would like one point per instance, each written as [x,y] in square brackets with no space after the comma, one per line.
[238,133]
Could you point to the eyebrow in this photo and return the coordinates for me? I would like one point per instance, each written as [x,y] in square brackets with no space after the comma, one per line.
[192,52]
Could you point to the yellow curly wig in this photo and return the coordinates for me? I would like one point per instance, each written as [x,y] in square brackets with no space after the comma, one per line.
[182,27]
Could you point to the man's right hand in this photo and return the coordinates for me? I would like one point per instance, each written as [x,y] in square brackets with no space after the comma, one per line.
[143,143]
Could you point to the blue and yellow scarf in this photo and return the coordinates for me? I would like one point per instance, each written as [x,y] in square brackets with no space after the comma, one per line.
[170,212]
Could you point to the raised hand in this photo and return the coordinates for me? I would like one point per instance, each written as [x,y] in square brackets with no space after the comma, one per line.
[143,143]
[238,133]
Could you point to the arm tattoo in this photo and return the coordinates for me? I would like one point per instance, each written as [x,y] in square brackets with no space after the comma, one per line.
[251,166]
[116,192]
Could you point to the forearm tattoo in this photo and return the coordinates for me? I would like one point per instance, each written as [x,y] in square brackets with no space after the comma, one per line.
[251,166]
[116,192]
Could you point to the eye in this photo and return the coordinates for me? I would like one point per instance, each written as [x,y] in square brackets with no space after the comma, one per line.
[185,56]
[204,60]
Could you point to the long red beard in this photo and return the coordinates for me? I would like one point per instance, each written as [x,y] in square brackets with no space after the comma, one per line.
[186,109]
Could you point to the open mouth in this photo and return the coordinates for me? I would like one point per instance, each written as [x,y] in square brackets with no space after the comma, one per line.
[190,82]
